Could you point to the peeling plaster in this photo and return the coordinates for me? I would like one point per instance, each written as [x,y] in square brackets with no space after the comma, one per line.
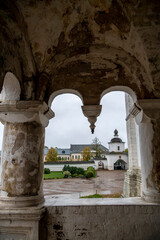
[22,159]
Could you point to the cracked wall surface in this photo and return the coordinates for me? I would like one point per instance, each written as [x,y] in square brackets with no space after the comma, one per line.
[22,160]
[98,43]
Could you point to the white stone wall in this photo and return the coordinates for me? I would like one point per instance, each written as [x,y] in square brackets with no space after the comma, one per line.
[112,158]
[59,167]
[93,221]
[105,164]
[113,147]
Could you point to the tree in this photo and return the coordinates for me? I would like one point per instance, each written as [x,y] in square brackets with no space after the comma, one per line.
[51,155]
[86,154]
[96,145]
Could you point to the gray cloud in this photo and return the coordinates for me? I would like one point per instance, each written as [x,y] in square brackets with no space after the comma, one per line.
[70,126]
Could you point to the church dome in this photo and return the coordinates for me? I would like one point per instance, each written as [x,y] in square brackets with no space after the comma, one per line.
[116,139]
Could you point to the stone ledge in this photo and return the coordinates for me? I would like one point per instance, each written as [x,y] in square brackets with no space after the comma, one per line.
[29,214]
[67,200]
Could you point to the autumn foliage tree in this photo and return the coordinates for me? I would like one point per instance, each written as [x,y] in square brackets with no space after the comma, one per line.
[96,146]
[86,154]
[51,155]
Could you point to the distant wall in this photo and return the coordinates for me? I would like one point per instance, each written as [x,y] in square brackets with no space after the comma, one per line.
[58,166]
[104,164]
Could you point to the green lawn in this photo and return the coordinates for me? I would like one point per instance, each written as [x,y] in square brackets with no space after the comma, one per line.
[93,196]
[54,175]
[114,195]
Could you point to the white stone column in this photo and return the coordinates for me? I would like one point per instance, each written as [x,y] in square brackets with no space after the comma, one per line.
[21,199]
[22,153]
[132,181]
[149,133]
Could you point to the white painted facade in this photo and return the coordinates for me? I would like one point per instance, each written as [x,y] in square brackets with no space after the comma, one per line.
[59,166]
[101,164]
[116,147]
[76,157]
[113,158]
[117,154]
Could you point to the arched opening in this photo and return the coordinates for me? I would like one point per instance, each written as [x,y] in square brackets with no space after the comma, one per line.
[63,91]
[100,165]
[121,157]
[11,88]
[59,135]
[120,165]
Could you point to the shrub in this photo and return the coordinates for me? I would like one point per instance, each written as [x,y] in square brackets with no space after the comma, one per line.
[66,168]
[80,171]
[91,169]
[81,176]
[47,171]
[89,174]
[73,170]
[75,175]
[66,174]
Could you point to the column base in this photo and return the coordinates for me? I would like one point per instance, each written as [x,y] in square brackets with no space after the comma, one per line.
[151,196]
[20,224]
[132,183]
[21,202]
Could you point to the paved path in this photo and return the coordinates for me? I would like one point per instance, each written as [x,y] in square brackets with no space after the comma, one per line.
[106,182]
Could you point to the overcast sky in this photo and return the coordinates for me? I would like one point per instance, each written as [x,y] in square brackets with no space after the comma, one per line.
[70,126]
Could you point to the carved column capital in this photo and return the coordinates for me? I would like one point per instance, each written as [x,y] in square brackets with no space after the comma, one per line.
[144,110]
[150,107]
[92,112]
[25,111]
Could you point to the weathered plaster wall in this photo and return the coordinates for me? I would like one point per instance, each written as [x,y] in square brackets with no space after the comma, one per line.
[98,43]
[156,154]
[22,159]
[95,222]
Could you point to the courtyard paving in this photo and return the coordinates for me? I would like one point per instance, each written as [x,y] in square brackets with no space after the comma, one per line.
[106,182]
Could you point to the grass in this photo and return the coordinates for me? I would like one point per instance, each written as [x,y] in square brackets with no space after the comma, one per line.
[54,175]
[114,195]
[93,196]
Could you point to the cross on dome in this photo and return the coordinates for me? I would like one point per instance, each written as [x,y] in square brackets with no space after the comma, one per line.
[116,132]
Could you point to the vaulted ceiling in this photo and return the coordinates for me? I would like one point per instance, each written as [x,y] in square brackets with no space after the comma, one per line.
[84,45]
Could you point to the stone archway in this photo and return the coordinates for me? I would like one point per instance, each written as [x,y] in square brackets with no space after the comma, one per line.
[88,46]
[100,165]
[120,165]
